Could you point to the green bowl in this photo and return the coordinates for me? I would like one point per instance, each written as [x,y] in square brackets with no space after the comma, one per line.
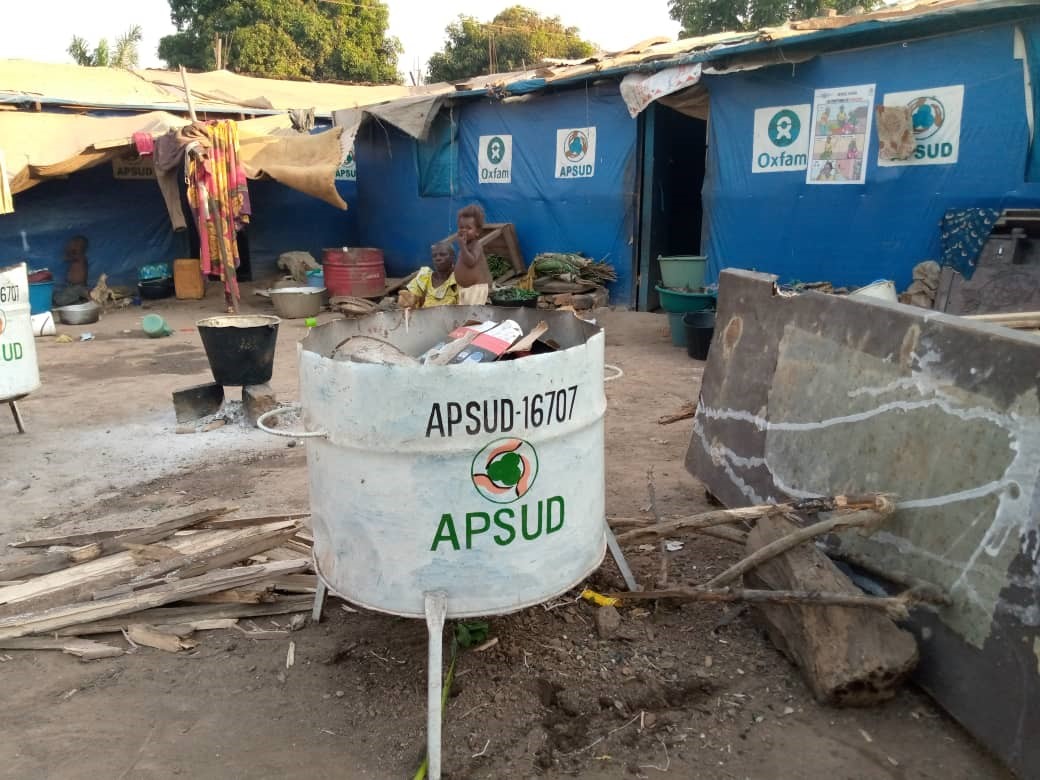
[681,301]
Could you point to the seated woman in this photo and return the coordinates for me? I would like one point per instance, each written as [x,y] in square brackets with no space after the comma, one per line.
[433,286]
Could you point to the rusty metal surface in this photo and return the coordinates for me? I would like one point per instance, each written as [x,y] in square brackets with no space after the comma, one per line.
[820,395]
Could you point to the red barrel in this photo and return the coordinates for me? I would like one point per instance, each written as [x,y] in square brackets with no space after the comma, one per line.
[356,271]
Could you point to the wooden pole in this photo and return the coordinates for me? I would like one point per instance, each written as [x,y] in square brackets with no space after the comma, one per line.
[187,95]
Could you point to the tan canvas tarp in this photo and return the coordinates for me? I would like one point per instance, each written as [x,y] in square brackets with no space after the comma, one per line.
[39,146]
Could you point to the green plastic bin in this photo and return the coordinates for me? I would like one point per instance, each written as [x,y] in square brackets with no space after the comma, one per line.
[683,272]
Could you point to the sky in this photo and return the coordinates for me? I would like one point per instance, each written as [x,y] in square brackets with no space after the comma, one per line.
[42,30]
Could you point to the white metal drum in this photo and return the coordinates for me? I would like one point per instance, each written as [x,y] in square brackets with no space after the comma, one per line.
[19,372]
[484,481]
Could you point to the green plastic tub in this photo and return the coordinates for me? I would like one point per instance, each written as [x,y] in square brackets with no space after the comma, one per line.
[685,272]
[681,302]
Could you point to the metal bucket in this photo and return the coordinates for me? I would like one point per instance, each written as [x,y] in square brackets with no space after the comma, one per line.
[19,372]
[240,348]
[484,481]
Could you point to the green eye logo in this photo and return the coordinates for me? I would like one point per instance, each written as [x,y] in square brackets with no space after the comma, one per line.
[505,470]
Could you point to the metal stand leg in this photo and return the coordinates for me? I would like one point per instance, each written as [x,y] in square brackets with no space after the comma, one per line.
[319,601]
[619,559]
[436,604]
[17,417]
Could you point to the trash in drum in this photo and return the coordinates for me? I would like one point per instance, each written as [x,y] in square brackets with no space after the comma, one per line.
[483,416]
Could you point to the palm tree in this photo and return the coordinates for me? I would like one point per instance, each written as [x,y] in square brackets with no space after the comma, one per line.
[124,56]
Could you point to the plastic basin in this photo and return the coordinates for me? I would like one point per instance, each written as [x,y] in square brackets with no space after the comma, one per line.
[683,271]
[680,301]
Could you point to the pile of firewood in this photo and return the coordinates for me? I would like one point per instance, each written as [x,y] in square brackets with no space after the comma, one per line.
[155,585]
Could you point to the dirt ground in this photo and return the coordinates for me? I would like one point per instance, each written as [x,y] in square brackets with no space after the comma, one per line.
[690,692]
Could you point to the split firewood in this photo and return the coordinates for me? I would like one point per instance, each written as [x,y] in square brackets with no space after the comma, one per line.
[871,520]
[642,528]
[151,636]
[87,649]
[210,582]
[686,411]
[847,656]
[200,616]
[895,607]
[253,594]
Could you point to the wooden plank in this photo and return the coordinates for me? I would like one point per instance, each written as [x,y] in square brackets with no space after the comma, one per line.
[87,649]
[197,553]
[210,582]
[72,540]
[151,636]
[296,583]
[515,257]
[191,614]
[245,522]
[253,594]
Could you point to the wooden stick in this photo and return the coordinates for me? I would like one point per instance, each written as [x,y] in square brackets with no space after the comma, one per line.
[896,606]
[643,528]
[211,582]
[87,649]
[725,533]
[187,95]
[72,540]
[686,411]
[662,574]
[934,593]
[785,543]
[193,614]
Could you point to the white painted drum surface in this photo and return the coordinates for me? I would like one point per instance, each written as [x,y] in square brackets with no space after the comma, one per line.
[19,372]
[485,481]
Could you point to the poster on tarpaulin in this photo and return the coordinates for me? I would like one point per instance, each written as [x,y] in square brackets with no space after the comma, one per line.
[935,116]
[576,153]
[781,139]
[841,123]
[495,159]
[347,170]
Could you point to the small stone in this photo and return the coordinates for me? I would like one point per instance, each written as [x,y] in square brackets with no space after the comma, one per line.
[571,702]
[708,661]
[788,711]
[608,621]
[292,443]
[281,677]
[340,694]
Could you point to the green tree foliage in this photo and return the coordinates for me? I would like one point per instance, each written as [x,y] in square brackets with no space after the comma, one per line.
[516,38]
[122,55]
[701,17]
[291,39]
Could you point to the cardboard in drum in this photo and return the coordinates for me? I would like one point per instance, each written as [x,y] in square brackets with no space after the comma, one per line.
[485,481]
[19,372]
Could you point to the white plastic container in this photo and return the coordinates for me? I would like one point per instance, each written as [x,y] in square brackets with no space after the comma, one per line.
[19,372]
[882,289]
[481,481]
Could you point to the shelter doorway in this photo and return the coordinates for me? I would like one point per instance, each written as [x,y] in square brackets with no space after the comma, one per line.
[674,151]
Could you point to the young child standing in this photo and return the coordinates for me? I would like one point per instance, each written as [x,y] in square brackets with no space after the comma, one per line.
[471,268]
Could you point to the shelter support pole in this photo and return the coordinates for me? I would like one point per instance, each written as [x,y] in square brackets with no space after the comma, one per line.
[17,417]
[187,95]
[436,603]
[619,559]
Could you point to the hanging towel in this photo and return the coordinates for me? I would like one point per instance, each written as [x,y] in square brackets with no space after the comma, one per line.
[144,143]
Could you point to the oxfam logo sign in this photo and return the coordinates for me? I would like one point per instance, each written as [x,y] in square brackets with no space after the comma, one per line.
[504,470]
[496,150]
[784,128]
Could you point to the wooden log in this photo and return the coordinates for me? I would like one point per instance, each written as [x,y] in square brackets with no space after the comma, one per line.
[685,412]
[848,656]
[210,582]
[152,636]
[191,615]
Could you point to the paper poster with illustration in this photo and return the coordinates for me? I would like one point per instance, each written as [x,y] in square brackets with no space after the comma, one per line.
[935,116]
[841,122]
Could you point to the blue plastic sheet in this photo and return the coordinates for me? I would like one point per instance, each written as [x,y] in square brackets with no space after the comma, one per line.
[854,234]
[593,216]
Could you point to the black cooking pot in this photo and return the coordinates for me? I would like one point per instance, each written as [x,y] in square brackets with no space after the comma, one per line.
[240,348]
[154,289]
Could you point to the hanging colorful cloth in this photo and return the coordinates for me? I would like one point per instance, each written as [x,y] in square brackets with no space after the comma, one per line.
[219,198]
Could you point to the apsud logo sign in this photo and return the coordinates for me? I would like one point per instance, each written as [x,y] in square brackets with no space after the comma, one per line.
[935,117]
[576,153]
[347,170]
[504,470]
[781,139]
[495,159]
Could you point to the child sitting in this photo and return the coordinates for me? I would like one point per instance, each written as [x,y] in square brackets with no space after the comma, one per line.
[75,289]
[471,269]
[433,286]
